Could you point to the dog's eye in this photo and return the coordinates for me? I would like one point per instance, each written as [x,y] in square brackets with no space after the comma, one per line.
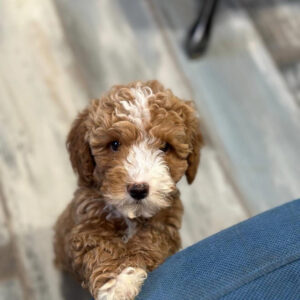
[114,145]
[165,147]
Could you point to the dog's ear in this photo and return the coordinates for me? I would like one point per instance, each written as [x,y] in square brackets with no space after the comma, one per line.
[196,142]
[80,153]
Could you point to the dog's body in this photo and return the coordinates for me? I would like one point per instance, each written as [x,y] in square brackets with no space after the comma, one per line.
[129,148]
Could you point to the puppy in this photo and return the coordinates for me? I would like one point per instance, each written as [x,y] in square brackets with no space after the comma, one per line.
[129,149]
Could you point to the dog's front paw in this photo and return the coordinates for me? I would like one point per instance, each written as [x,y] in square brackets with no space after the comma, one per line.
[125,286]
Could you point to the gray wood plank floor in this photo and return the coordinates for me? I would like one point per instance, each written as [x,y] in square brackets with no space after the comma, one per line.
[58,54]
[241,97]
[282,40]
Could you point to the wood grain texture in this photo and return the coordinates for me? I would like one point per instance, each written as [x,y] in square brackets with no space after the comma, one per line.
[282,40]
[117,42]
[39,97]
[251,117]
[55,55]
[211,203]
[4,234]
[10,289]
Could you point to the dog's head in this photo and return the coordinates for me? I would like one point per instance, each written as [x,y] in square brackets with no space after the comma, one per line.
[134,145]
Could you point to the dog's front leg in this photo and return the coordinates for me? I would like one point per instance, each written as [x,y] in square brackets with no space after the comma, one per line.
[108,271]
[115,277]
[145,251]
[157,239]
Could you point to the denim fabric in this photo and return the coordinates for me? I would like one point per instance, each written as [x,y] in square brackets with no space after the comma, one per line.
[256,259]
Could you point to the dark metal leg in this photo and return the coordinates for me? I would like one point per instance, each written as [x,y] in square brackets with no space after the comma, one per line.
[198,35]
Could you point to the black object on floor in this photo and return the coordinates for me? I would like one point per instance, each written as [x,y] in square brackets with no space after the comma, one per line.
[199,34]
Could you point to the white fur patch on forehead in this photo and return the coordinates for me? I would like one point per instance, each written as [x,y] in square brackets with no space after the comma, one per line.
[138,111]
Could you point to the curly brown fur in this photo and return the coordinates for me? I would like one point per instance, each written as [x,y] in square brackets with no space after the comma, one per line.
[108,239]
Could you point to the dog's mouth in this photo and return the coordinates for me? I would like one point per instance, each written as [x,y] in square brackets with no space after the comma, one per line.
[138,210]
[146,207]
[140,201]
[130,211]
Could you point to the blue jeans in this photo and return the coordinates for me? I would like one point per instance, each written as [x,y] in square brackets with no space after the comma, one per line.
[256,259]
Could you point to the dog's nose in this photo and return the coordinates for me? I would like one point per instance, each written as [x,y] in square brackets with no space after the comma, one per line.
[138,191]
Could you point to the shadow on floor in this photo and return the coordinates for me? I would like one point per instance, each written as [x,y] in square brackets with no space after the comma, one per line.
[71,289]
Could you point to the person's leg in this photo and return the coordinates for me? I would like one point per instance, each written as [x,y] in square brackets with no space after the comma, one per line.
[256,259]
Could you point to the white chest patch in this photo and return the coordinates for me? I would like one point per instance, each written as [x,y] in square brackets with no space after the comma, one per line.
[138,111]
